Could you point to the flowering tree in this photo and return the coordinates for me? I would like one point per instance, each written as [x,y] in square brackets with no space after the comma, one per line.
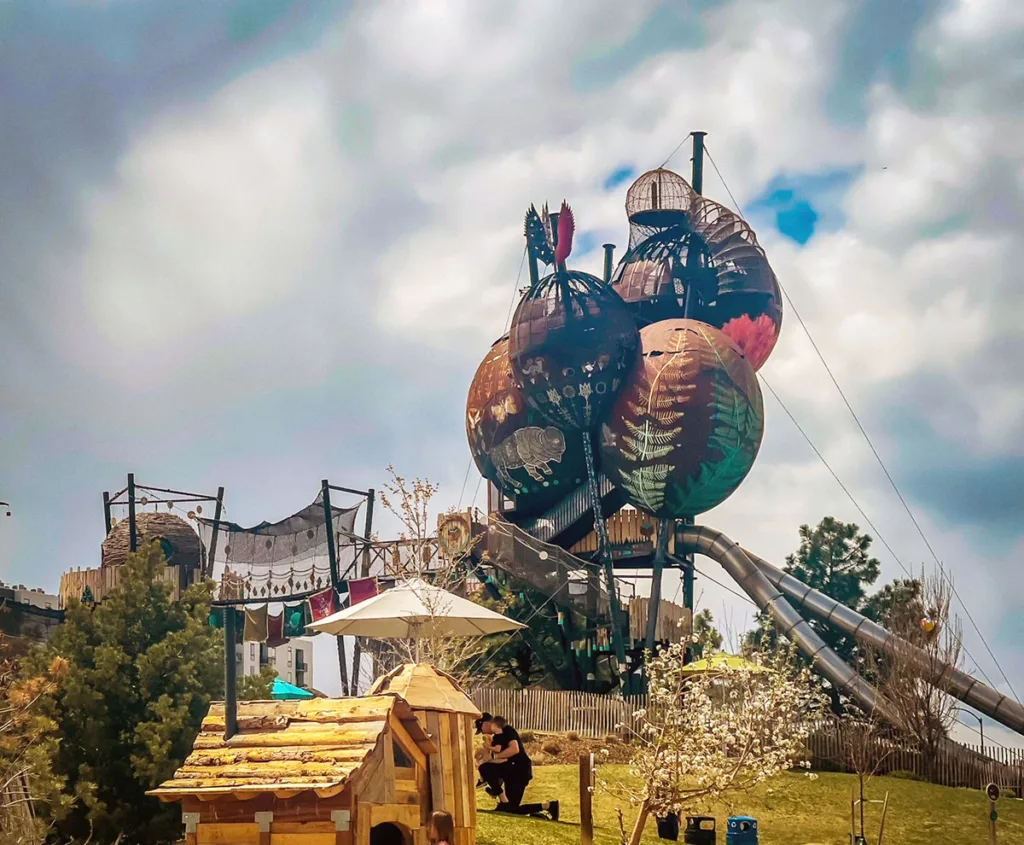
[704,735]
[444,564]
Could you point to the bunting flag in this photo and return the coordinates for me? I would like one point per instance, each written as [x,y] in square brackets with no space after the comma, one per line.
[295,620]
[275,631]
[255,625]
[361,590]
[323,604]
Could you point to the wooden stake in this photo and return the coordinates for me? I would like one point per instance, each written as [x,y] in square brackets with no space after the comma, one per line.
[586,799]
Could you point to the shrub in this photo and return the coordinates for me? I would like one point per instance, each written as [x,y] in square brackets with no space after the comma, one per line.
[903,774]
[527,736]
[572,736]
[551,747]
[611,739]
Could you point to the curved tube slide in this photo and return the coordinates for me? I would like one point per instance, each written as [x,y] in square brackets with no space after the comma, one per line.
[770,589]
[959,684]
[791,624]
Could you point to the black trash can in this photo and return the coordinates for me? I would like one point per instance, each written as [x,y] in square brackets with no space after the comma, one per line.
[668,827]
[700,830]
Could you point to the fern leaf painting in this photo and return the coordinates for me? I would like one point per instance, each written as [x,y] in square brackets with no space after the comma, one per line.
[688,423]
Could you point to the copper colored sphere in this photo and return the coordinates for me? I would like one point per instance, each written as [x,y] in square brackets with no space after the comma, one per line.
[513,446]
[687,426]
[573,343]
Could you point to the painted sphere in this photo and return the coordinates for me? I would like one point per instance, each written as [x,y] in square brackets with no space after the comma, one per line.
[685,430]
[513,446]
[573,343]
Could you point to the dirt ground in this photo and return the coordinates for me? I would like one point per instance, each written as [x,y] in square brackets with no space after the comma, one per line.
[555,749]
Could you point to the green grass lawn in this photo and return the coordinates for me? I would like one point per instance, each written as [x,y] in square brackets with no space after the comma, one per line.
[791,810]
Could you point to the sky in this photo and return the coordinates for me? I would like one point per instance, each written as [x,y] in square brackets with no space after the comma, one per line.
[258,245]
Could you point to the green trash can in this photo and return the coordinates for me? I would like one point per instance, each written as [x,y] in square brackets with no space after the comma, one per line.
[700,830]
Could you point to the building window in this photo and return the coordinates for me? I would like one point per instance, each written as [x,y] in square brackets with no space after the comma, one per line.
[289,657]
[252,651]
[300,669]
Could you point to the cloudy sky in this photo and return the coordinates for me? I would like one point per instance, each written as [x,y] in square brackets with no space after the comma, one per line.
[259,244]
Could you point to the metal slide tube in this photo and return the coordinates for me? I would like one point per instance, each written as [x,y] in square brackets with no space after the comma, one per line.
[959,684]
[735,561]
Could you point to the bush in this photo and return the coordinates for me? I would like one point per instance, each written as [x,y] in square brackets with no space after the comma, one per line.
[903,774]
[551,747]
[572,736]
[611,739]
[527,736]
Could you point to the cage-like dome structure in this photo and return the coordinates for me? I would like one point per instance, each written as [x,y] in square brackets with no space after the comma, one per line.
[513,446]
[178,541]
[657,199]
[572,343]
[680,240]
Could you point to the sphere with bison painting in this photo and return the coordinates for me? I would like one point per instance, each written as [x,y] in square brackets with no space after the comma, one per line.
[513,446]
[687,426]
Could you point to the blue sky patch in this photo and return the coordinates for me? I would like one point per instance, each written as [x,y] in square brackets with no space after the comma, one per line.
[619,176]
[801,204]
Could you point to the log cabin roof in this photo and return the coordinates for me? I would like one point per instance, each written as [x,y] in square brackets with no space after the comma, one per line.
[425,688]
[286,747]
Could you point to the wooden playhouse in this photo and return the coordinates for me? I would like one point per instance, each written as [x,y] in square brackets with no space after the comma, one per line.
[353,771]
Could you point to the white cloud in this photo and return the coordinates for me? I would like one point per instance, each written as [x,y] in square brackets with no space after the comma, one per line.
[373,189]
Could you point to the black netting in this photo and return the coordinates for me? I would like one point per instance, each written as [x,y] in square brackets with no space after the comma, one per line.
[547,568]
[275,560]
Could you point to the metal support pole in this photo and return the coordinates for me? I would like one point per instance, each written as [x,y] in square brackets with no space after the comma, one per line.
[609,257]
[698,161]
[531,260]
[133,538]
[332,557]
[106,510]
[230,668]
[688,564]
[364,572]
[212,551]
[654,602]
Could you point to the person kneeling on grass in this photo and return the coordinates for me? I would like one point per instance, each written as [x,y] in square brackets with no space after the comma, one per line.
[508,769]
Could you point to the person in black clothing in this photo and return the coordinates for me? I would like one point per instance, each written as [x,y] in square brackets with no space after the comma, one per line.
[509,769]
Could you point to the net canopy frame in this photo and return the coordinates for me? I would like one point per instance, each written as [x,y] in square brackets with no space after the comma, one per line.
[284,561]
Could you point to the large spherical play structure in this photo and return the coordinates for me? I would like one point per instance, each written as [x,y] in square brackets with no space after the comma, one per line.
[692,257]
[513,445]
[687,426]
[573,342]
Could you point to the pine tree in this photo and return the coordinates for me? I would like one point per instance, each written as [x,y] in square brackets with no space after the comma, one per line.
[140,671]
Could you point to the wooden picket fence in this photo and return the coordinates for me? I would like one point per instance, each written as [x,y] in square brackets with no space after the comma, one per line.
[595,716]
[556,711]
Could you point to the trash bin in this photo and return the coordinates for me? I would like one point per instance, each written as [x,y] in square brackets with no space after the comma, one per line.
[668,827]
[700,830]
[741,830]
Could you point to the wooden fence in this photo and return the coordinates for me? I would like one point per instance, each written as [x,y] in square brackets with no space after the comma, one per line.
[101,582]
[595,716]
[556,711]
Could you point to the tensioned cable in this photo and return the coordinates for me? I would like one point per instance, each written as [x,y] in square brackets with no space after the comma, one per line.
[874,451]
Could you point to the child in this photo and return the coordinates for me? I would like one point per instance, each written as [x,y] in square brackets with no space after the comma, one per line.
[442,828]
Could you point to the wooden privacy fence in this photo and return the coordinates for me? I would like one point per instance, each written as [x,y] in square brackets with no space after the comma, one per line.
[593,715]
[101,582]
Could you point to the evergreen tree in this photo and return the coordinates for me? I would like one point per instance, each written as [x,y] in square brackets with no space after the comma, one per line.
[140,671]
[257,687]
[706,635]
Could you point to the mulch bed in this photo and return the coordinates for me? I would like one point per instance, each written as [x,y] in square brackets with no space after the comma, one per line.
[559,749]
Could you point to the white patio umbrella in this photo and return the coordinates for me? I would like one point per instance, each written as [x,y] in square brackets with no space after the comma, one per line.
[415,610]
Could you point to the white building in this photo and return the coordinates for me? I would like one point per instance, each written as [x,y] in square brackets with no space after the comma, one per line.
[293,661]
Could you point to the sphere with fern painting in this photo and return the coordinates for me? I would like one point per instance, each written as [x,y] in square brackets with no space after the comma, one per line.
[687,426]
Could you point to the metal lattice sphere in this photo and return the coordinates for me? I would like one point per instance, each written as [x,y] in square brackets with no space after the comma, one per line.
[687,426]
[513,446]
[573,342]
[658,198]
